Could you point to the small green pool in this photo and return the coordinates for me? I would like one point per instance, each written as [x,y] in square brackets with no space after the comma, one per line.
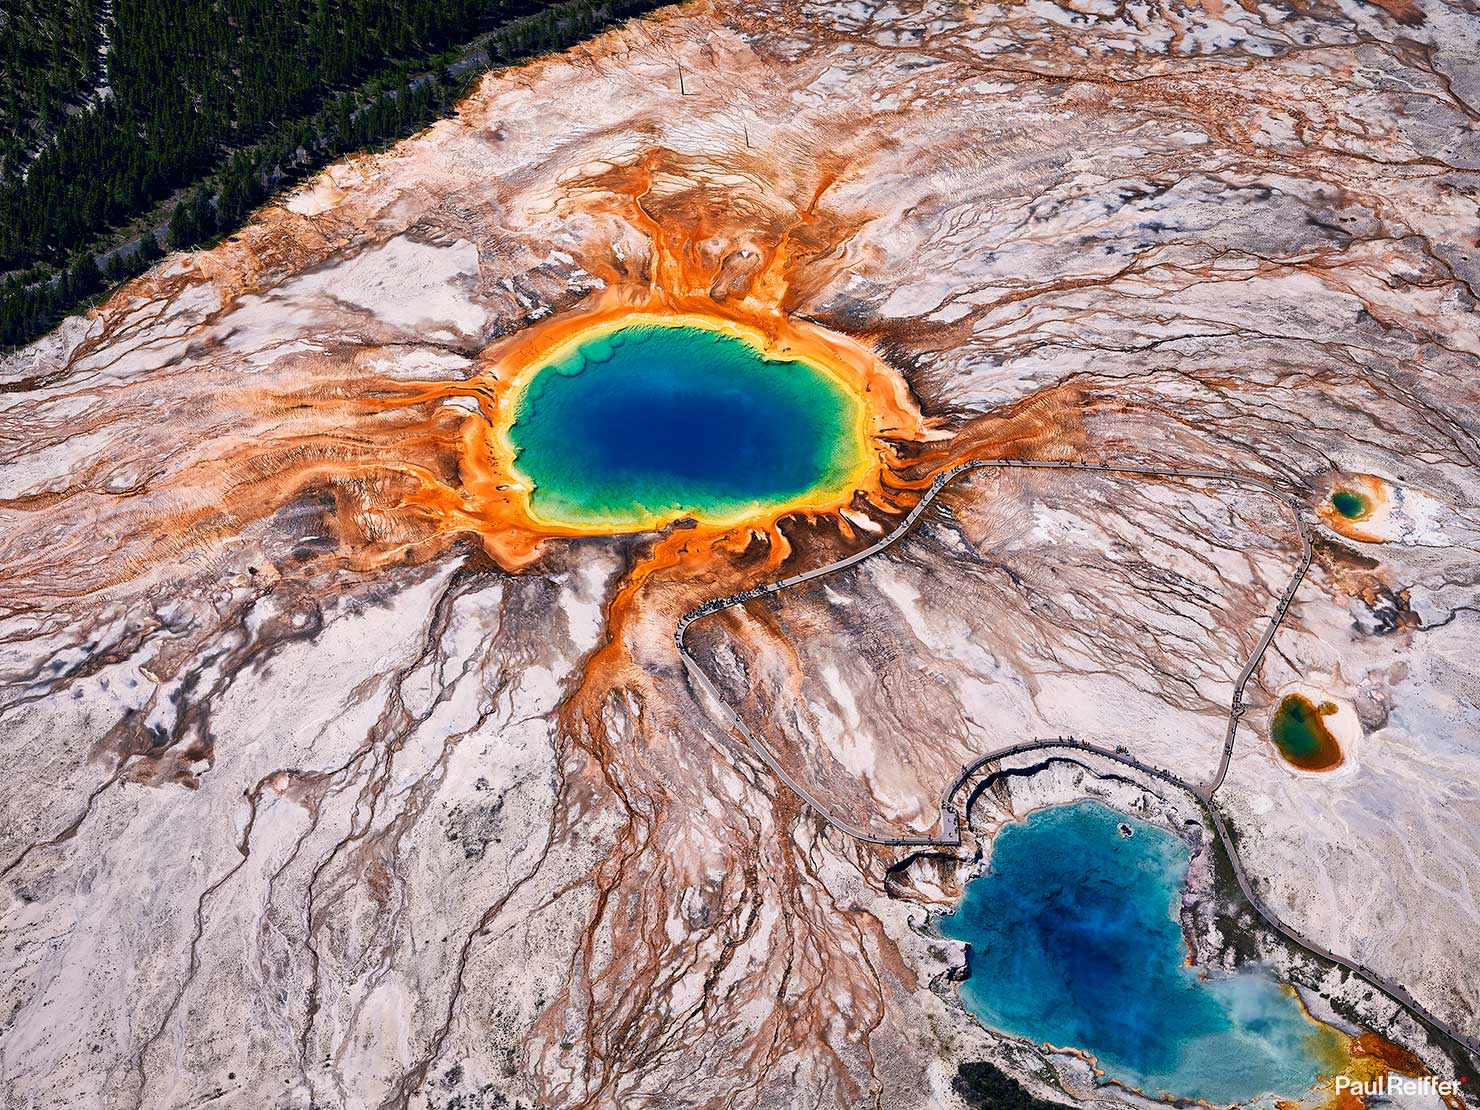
[1302,736]
[650,423]
[1351,504]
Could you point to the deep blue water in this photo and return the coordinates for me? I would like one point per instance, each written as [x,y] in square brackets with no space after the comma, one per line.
[1074,940]
[660,421]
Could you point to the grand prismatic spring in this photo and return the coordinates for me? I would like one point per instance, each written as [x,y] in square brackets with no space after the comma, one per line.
[648,422]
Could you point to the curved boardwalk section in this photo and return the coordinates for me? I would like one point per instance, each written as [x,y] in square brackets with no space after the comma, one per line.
[1124,602]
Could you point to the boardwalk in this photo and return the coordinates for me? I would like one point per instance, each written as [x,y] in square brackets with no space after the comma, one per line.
[949,835]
